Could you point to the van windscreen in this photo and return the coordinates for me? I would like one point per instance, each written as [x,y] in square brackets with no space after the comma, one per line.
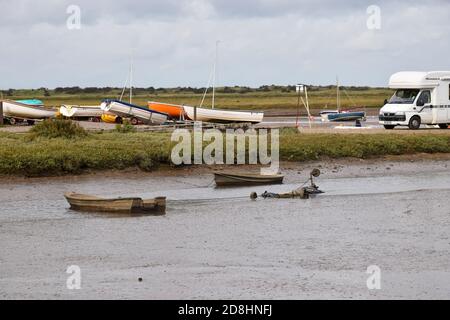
[406,96]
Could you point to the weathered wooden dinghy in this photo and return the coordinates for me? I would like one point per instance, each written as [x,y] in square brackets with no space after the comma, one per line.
[83,202]
[236,179]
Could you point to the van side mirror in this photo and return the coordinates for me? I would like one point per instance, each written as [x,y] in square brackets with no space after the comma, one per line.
[420,103]
[386,101]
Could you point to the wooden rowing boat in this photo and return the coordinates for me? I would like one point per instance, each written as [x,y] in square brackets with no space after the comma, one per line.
[236,179]
[83,202]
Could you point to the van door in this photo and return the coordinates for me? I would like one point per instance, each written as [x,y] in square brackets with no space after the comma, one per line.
[426,109]
[440,114]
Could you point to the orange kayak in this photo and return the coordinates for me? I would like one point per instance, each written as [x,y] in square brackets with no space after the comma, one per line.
[173,110]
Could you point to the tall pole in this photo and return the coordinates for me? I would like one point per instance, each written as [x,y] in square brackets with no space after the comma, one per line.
[307,106]
[131,78]
[298,105]
[1,112]
[338,98]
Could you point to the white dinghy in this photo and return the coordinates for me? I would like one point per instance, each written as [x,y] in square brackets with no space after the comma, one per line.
[14,109]
[80,111]
[223,116]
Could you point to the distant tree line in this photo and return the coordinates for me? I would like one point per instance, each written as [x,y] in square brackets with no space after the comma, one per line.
[153,91]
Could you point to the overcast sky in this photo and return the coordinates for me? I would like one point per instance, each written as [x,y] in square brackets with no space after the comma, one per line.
[262,42]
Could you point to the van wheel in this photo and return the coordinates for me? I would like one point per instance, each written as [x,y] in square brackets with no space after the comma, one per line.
[118,120]
[415,122]
[389,127]
[443,126]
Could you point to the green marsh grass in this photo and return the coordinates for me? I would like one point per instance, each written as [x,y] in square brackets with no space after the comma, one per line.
[41,156]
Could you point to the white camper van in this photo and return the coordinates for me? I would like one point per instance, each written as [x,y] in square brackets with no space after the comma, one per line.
[420,98]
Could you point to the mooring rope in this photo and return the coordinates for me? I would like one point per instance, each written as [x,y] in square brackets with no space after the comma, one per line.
[196,185]
[207,199]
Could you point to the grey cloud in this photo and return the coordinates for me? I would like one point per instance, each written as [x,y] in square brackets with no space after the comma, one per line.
[263,42]
[29,12]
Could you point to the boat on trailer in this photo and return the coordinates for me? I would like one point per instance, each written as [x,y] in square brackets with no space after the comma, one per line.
[135,113]
[23,111]
[88,203]
[235,179]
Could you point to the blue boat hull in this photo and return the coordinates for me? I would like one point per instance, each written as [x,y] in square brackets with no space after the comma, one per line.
[347,116]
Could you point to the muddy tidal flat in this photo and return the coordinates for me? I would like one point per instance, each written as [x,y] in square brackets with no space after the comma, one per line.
[219,244]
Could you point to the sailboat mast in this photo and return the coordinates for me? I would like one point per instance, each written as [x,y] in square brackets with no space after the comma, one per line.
[338,98]
[131,79]
[215,74]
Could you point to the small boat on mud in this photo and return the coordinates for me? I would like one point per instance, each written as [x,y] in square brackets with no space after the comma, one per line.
[223,116]
[175,111]
[238,179]
[81,112]
[20,110]
[83,202]
[135,113]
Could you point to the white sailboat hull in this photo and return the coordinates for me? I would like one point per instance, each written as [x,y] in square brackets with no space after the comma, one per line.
[129,111]
[22,111]
[223,116]
[81,111]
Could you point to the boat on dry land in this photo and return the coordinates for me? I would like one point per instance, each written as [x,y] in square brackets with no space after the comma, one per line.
[83,202]
[240,179]
[135,113]
[339,114]
[81,112]
[175,111]
[21,111]
[223,116]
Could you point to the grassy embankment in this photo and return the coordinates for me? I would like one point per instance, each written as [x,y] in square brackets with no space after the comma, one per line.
[273,99]
[36,155]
